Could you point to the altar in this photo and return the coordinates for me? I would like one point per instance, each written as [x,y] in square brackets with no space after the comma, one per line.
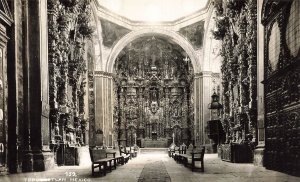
[154,135]
[158,143]
[154,121]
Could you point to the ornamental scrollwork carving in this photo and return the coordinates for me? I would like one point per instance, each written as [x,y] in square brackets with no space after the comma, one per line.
[236,27]
[154,93]
[69,28]
[281,87]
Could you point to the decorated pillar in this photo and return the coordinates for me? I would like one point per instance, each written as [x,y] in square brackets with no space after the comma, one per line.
[53,53]
[69,28]
[91,101]
[252,68]
[242,80]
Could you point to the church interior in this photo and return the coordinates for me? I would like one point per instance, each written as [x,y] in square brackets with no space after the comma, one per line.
[160,85]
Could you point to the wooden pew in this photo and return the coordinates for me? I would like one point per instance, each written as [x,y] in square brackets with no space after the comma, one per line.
[126,155]
[182,150]
[182,158]
[176,150]
[196,155]
[136,150]
[118,158]
[131,151]
[171,149]
[101,159]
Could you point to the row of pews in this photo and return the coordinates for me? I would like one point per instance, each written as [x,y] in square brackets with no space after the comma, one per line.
[106,159]
[188,156]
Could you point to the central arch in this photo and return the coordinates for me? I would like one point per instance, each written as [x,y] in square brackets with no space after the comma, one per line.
[178,39]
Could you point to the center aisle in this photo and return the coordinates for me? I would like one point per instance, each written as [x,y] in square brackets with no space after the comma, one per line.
[154,171]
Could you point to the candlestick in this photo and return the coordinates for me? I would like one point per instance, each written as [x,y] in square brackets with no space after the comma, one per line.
[173,135]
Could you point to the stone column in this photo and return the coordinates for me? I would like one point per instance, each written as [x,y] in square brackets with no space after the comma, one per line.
[103,107]
[98,121]
[14,96]
[38,94]
[259,151]
[202,95]
[27,162]
[122,137]
[197,108]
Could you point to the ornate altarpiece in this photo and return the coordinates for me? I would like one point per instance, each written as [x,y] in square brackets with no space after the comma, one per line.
[236,26]
[153,88]
[69,24]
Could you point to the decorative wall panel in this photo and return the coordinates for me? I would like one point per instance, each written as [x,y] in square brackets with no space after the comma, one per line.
[194,33]
[274,46]
[293,29]
[111,32]
[282,91]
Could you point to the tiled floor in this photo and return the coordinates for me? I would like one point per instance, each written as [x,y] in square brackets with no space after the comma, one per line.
[215,170]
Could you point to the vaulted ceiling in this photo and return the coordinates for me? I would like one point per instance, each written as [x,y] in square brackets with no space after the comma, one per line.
[154,10]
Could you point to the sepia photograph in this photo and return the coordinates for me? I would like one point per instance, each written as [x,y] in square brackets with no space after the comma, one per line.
[149,90]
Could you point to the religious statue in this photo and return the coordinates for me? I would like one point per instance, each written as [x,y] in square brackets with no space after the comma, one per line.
[154,119]
[176,111]
[153,95]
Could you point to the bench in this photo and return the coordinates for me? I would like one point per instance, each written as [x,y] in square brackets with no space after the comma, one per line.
[184,154]
[119,159]
[197,154]
[174,151]
[181,150]
[125,154]
[171,149]
[135,150]
[101,159]
[131,151]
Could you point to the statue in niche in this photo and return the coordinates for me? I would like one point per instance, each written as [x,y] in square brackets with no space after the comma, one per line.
[154,118]
[132,114]
[166,72]
[153,95]
[176,110]
[172,72]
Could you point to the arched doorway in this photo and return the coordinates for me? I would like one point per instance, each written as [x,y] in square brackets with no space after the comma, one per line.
[153,81]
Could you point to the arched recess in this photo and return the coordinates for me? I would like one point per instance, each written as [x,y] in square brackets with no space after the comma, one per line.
[178,39]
